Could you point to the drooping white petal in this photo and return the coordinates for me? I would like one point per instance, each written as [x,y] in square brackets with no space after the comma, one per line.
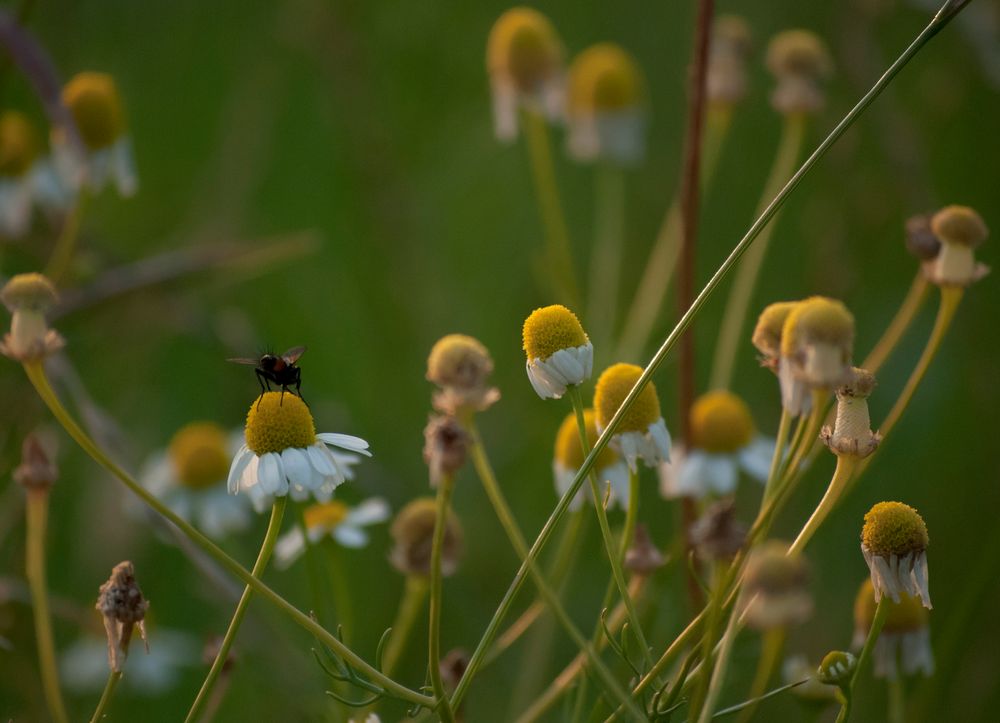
[707,473]
[322,463]
[370,512]
[350,536]
[617,476]
[505,106]
[795,396]
[297,468]
[345,441]
[236,470]
[15,206]
[755,458]
[123,167]
[272,475]
[563,478]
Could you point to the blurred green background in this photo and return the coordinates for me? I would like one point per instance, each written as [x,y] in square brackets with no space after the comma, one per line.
[367,126]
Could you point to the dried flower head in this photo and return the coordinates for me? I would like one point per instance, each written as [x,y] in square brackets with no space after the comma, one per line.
[817,341]
[851,433]
[961,231]
[800,63]
[643,557]
[559,353]
[767,333]
[124,608]
[37,472]
[568,457]
[717,534]
[894,542]
[726,81]
[606,106]
[445,443]
[905,636]
[642,432]
[776,587]
[461,366]
[413,531]
[920,239]
[837,668]
[524,59]
[453,667]
[28,297]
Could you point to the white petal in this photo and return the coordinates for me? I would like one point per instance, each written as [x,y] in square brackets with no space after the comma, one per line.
[240,461]
[661,437]
[618,477]
[505,106]
[297,468]
[272,475]
[563,478]
[123,167]
[323,464]
[370,512]
[755,458]
[289,547]
[345,441]
[547,383]
[350,536]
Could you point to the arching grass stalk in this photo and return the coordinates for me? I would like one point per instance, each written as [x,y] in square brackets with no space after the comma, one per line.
[445,487]
[900,323]
[881,613]
[605,262]
[36,374]
[493,491]
[263,557]
[36,518]
[793,133]
[558,250]
[947,12]
[109,690]
[721,667]
[65,245]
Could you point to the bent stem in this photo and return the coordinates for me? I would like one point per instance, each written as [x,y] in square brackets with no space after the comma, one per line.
[846,464]
[445,487]
[263,557]
[410,605]
[609,226]
[109,690]
[899,324]
[37,514]
[36,374]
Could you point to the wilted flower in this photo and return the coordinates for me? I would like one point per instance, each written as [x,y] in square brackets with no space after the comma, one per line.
[905,636]
[851,433]
[524,59]
[800,63]
[445,443]
[894,542]
[920,239]
[28,297]
[609,467]
[37,471]
[461,366]
[776,587]
[961,231]
[717,534]
[724,441]
[767,333]
[726,80]
[335,520]
[642,432]
[606,106]
[558,351]
[453,667]
[283,454]
[124,608]
[413,534]
[817,341]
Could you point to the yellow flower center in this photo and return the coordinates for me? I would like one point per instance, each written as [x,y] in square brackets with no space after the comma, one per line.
[278,421]
[612,388]
[200,454]
[326,516]
[549,329]
[18,144]
[93,100]
[817,319]
[767,334]
[29,291]
[905,616]
[721,422]
[604,78]
[523,45]
[892,528]
[457,360]
[568,450]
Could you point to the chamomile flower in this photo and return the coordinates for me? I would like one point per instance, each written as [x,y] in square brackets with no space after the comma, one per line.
[800,63]
[25,175]
[642,433]
[28,297]
[817,340]
[333,519]
[461,367]
[894,542]
[776,588]
[524,59]
[190,478]
[412,533]
[961,231]
[283,455]
[606,106]
[905,640]
[558,350]
[97,109]
[724,441]
[568,458]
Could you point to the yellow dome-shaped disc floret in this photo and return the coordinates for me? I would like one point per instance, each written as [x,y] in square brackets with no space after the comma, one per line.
[568,451]
[461,361]
[277,421]
[200,455]
[767,333]
[893,528]
[604,78]
[799,52]
[612,388]
[93,100]
[907,615]
[817,320]
[30,292]
[18,144]
[549,329]
[326,515]
[959,225]
[721,422]
[524,47]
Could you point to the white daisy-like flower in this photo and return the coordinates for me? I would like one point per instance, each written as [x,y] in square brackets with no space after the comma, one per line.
[283,454]
[725,442]
[558,351]
[610,468]
[26,177]
[331,519]
[606,109]
[905,640]
[97,110]
[817,340]
[524,59]
[642,433]
[83,666]
[894,542]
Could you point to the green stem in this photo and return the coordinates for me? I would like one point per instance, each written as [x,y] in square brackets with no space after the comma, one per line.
[507,521]
[897,700]
[36,374]
[899,324]
[558,251]
[315,578]
[881,613]
[770,657]
[793,134]
[820,399]
[721,666]
[605,263]
[716,605]
[445,486]
[37,514]
[62,251]
[414,595]
[109,690]
[780,442]
[342,600]
[263,557]
[846,464]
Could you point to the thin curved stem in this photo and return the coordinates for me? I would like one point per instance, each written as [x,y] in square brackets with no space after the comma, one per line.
[263,557]
[414,596]
[721,666]
[820,399]
[846,464]
[445,487]
[881,613]
[897,700]
[62,252]
[36,517]
[109,690]
[900,323]
[780,442]
[36,374]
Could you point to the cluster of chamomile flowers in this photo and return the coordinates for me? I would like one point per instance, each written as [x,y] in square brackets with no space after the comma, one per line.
[89,146]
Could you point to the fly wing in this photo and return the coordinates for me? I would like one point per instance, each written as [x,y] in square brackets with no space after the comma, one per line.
[292,355]
[248,362]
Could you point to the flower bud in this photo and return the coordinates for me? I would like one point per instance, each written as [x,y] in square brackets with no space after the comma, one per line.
[837,668]
[920,239]
[643,557]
